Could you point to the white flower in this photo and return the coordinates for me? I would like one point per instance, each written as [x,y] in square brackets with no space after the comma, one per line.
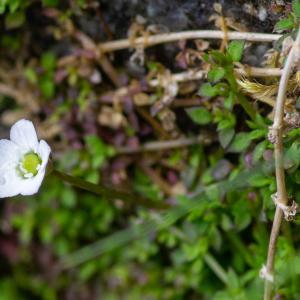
[23,161]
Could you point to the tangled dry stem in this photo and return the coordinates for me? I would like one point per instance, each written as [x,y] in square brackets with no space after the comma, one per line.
[276,131]
[166,145]
[152,40]
[200,74]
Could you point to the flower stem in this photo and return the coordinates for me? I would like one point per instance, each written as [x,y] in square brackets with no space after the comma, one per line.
[106,192]
[186,35]
[277,131]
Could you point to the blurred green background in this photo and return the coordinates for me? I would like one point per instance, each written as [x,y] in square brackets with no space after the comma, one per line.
[96,112]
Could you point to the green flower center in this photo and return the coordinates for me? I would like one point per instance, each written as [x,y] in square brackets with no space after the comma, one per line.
[30,164]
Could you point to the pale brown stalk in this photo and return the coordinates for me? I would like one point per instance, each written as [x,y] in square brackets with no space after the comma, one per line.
[166,145]
[200,74]
[187,35]
[104,62]
[276,132]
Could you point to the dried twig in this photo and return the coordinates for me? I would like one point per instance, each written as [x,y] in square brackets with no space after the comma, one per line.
[187,35]
[166,145]
[260,92]
[23,97]
[8,91]
[104,62]
[187,102]
[109,70]
[200,74]
[276,136]
[258,72]
[158,129]
[157,179]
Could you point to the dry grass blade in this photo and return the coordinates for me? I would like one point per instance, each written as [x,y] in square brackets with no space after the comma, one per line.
[258,91]
[266,93]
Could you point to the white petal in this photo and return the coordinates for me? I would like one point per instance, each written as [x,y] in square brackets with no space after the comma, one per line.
[33,184]
[43,151]
[10,154]
[23,139]
[24,134]
[11,183]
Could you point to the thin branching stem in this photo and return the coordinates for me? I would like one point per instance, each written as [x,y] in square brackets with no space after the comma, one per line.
[166,145]
[216,268]
[152,40]
[106,192]
[200,74]
[277,129]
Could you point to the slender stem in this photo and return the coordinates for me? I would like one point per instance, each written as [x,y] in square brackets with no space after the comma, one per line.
[272,251]
[247,106]
[156,125]
[109,70]
[186,35]
[216,267]
[279,168]
[258,72]
[166,145]
[106,192]
[104,62]
[200,74]
[235,240]
[28,101]
[209,259]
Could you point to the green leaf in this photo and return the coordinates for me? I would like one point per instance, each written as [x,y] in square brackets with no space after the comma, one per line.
[81,3]
[207,90]
[48,61]
[68,197]
[229,101]
[227,121]
[213,192]
[225,136]
[259,180]
[217,57]
[259,151]
[235,50]
[14,20]
[199,115]
[153,66]
[296,177]
[14,5]
[31,75]
[8,289]
[51,3]
[191,252]
[47,87]
[284,24]
[240,211]
[247,106]
[216,74]
[292,155]
[221,89]
[98,150]
[10,42]
[240,143]
[233,280]
[87,270]
[257,123]
[296,7]
[257,133]
[3,4]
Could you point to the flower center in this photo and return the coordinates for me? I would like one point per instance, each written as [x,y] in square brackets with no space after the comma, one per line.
[30,164]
